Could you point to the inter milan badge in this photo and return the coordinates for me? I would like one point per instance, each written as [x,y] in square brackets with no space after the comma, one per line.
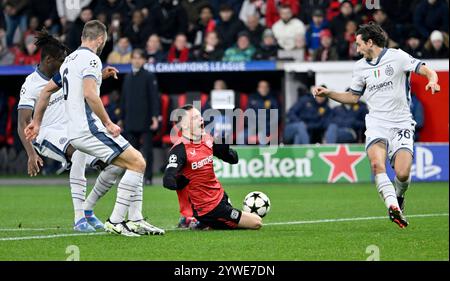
[93,63]
[389,70]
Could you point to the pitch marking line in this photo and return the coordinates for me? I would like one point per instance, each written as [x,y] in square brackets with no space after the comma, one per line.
[175,229]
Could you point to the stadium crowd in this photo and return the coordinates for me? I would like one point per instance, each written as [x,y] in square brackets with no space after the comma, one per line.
[225,30]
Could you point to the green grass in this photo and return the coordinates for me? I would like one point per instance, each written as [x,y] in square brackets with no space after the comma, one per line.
[427,238]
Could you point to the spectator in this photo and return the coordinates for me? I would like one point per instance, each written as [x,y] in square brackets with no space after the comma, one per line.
[243,51]
[33,26]
[326,52]
[273,13]
[287,29]
[27,53]
[138,30]
[317,24]
[418,115]
[193,10]
[204,25]
[307,120]
[431,15]
[346,123]
[413,45]
[153,49]
[6,56]
[113,106]
[307,6]
[254,30]
[171,20]
[263,98]
[179,51]
[339,22]
[346,42]
[210,50]
[268,49]
[235,5]
[73,39]
[121,53]
[253,8]
[46,13]
[437,46]
[15,17]
[68,13]
[228,27]
[111,7]
[380,17]
[140,108]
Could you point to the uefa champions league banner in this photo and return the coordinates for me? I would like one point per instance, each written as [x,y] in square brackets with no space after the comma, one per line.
[344,163]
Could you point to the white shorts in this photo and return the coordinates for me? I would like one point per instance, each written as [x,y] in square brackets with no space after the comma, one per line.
[52,142]
[101,145]
[394,138]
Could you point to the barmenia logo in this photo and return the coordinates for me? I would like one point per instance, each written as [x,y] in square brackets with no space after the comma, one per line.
[267,167]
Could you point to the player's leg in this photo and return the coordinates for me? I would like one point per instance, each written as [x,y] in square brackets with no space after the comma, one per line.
[186,212]
[130,193]
[377,153]
[402,166]
[250,221]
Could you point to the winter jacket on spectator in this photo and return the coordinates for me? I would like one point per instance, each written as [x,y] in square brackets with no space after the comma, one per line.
[313,35]
[203,54]
[337,25]
[22,57]
[272,15]
[256,101]
[119,56]
[429,17]
[112,7]
[192,8]
[171,20]
[228,31]
[315,115]
[138,30]
[70,12]
[235,54]
[73,39]
[158,56]
[44,11]
[349,116]
[255,34]
[252,8]
[236,5]
[286,32]
[266,52]
[175,55]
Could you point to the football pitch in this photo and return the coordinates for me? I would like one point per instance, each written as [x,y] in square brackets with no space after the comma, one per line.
[306,222]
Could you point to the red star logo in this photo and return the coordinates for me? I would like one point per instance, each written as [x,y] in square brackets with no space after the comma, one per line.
[342,163]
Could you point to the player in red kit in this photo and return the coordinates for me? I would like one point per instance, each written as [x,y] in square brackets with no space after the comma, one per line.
[190,168]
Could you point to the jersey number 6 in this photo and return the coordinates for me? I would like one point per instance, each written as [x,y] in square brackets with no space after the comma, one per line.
[65,83]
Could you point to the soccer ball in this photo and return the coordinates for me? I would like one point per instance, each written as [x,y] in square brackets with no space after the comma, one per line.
[256,202]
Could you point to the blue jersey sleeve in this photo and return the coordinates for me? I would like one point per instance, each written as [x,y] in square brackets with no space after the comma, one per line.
[57,79]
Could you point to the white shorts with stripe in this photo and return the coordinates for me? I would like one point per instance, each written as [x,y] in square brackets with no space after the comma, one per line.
[52,142]
[395,139]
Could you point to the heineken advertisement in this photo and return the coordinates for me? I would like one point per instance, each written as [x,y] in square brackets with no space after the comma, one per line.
[298,164]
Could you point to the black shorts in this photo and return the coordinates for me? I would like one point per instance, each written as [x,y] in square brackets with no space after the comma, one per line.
[223,216]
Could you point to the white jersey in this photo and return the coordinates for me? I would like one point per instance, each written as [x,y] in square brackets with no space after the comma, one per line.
[385,83]
[81,64]
[29,95]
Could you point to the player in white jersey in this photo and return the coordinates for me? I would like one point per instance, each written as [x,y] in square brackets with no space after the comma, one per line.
[90,129]
[382,76]
[52,141]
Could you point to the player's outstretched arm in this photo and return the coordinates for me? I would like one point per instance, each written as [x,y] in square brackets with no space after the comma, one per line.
[172,179]
[225,153]
[34,161]
[432,79]
[32,130]
[342,97]
[96,105]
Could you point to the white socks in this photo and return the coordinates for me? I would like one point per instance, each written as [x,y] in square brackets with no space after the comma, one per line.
[135,211]
[129,185]
[401,187]
[105,180]
[386,190]
[78,183]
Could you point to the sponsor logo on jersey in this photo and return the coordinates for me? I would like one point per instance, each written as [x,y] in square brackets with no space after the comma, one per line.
[201,163]
[388,85]
[424,168]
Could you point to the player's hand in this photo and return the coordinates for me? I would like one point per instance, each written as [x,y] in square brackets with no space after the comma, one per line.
[182,181]
[433,86]
[34,165]
[32,130]
[109,71]
[113,129]
[320,92]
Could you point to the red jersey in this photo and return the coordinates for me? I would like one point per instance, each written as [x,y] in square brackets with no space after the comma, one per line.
[190,165]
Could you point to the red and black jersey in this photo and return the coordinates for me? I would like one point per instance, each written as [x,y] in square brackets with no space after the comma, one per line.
[190,165]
